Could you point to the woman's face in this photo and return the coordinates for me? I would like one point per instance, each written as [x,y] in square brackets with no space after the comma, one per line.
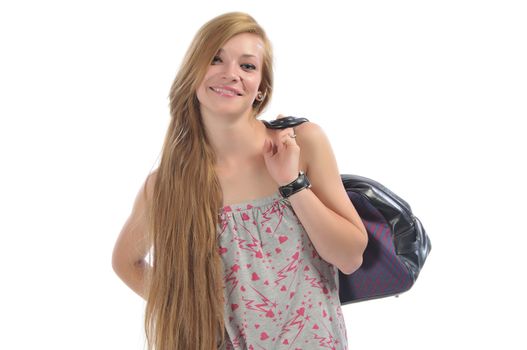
[231,83]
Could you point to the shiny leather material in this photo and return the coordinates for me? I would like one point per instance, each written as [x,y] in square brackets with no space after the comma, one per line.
[397,242]
[296,185]
[283,123]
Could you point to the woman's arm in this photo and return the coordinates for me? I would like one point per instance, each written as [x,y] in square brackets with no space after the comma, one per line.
[131,248]
[325,210]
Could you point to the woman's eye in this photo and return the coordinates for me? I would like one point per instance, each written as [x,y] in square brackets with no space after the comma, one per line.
[248,66]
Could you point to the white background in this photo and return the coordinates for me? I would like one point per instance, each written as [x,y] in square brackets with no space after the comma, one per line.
[425,97]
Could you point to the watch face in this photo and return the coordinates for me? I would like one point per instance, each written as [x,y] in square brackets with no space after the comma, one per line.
[300,183]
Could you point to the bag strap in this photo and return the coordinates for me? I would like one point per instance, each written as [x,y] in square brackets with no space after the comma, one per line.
[283,123]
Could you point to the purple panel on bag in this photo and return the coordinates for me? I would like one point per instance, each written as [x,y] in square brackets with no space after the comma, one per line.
[381,273]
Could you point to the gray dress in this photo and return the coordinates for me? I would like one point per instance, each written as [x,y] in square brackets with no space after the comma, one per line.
[279,293]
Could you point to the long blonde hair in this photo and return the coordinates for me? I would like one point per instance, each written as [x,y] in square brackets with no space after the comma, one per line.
[184,289]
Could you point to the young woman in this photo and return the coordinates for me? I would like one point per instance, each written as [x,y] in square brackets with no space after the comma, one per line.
[235,262]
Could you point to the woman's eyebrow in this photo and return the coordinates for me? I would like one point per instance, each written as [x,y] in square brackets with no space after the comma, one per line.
[244,55]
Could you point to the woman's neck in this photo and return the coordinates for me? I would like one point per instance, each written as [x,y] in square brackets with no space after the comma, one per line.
[236,142]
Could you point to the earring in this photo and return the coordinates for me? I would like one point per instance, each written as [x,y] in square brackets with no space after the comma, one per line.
[260,96]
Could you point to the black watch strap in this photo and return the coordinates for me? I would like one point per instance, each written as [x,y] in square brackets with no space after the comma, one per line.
[299,184]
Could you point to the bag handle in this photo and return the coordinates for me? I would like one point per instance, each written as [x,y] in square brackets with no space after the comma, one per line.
[283,123]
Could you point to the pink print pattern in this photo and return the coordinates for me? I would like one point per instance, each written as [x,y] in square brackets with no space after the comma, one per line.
[279,293]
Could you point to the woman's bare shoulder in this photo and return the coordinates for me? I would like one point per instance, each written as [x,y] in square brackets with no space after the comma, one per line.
[309,136]
[149,184]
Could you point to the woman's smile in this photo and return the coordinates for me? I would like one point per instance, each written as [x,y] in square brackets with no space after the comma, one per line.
[227,92]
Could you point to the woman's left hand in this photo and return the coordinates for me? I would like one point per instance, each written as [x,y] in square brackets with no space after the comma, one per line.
[282,155]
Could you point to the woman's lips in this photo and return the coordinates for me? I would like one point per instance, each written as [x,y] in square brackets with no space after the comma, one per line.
[225,92]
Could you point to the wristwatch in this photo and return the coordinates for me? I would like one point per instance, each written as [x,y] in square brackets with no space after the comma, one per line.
[299,184]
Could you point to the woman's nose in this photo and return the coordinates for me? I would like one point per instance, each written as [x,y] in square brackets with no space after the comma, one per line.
[230,72]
